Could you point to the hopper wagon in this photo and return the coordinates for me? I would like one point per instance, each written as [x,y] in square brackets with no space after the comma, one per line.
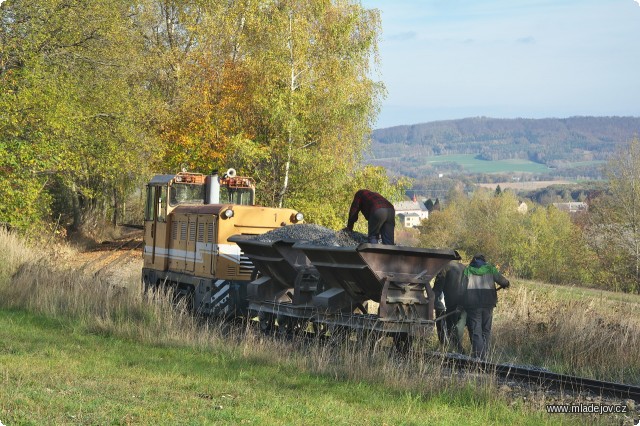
[331,287]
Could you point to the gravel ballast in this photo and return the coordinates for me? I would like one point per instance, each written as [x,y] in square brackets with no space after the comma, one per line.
[314,235]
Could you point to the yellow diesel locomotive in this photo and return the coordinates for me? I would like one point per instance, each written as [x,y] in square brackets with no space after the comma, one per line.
[188,219]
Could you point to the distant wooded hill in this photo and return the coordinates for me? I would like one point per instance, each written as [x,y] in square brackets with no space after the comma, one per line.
[557,143]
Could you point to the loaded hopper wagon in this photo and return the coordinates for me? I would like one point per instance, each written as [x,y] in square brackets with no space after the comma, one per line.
[333,287]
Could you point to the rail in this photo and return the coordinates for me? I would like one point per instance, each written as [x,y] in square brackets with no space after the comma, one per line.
[542,377]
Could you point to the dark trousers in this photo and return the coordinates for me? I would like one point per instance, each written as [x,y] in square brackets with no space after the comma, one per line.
[382,223]
[479,326]
[451,329]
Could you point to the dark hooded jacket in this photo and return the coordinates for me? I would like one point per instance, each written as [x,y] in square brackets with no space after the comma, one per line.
[480,278]
[449,282]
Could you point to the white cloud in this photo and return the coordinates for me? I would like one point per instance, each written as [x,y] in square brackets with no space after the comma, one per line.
[637,1]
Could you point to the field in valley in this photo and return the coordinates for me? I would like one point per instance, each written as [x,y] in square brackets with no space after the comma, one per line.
[524,186]
[471,164]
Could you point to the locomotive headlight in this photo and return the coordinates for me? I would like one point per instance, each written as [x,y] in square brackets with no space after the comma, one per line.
[228,213]
[297,217]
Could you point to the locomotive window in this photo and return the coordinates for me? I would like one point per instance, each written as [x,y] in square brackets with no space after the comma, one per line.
[242,196]
[184,193]
[162,203]
[148,210]
[155,194]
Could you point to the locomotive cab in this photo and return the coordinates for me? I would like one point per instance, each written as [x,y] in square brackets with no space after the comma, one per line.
[188,219]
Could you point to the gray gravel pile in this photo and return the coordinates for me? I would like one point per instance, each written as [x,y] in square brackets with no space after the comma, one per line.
[314,235]
[341,239]
[298,232]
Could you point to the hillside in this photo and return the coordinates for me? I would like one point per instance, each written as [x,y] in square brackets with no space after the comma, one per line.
[555,143]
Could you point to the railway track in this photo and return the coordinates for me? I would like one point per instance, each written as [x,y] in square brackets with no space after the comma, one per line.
[121,252]
[111,255]
[535,375]
[527,374]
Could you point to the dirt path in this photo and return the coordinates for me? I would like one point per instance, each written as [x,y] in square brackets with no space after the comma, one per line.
[115,260]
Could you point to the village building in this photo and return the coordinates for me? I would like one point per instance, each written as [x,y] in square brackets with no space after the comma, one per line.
[523,208]
[572,207]
[411,213]
[409,220]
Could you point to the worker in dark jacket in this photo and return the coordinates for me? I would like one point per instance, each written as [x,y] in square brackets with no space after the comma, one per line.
[449,285]
[378,211]
[480,298]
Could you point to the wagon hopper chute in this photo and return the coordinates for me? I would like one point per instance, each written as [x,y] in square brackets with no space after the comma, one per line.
[285,281]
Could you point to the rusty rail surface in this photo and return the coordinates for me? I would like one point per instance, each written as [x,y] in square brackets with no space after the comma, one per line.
[542,377]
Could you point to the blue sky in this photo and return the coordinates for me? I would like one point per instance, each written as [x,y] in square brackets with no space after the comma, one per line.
[448,59]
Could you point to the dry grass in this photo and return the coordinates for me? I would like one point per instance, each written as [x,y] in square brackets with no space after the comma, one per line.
[15,252]
[586,336]
[579,336]
[31,281]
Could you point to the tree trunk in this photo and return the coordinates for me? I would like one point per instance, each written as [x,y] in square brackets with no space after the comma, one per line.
[77,212]
[116,206]
[292,88]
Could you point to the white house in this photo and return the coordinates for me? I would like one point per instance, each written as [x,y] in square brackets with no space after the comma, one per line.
[409,220]
[411,213]
[522,208]
[572,207]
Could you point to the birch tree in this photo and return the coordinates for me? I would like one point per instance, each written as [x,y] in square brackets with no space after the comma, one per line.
[315,94]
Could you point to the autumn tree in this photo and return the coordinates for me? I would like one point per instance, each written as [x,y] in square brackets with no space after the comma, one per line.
[554,249]
[191,49]
[96,93]
[71,127]
[614,232]
[27,152]
[544,244]
[314,99]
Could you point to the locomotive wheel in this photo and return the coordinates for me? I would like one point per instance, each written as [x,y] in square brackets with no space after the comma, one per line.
[370,338]
[284,327]
[184,295]
[287,327]
[147,286]
[337,334]
[319,330]
[266,322]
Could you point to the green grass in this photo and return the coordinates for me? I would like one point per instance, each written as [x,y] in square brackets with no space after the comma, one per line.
[567,292]
[474,165]
[471,164]
[54,372]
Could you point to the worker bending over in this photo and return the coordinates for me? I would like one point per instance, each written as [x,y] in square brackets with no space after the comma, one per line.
[378,211]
